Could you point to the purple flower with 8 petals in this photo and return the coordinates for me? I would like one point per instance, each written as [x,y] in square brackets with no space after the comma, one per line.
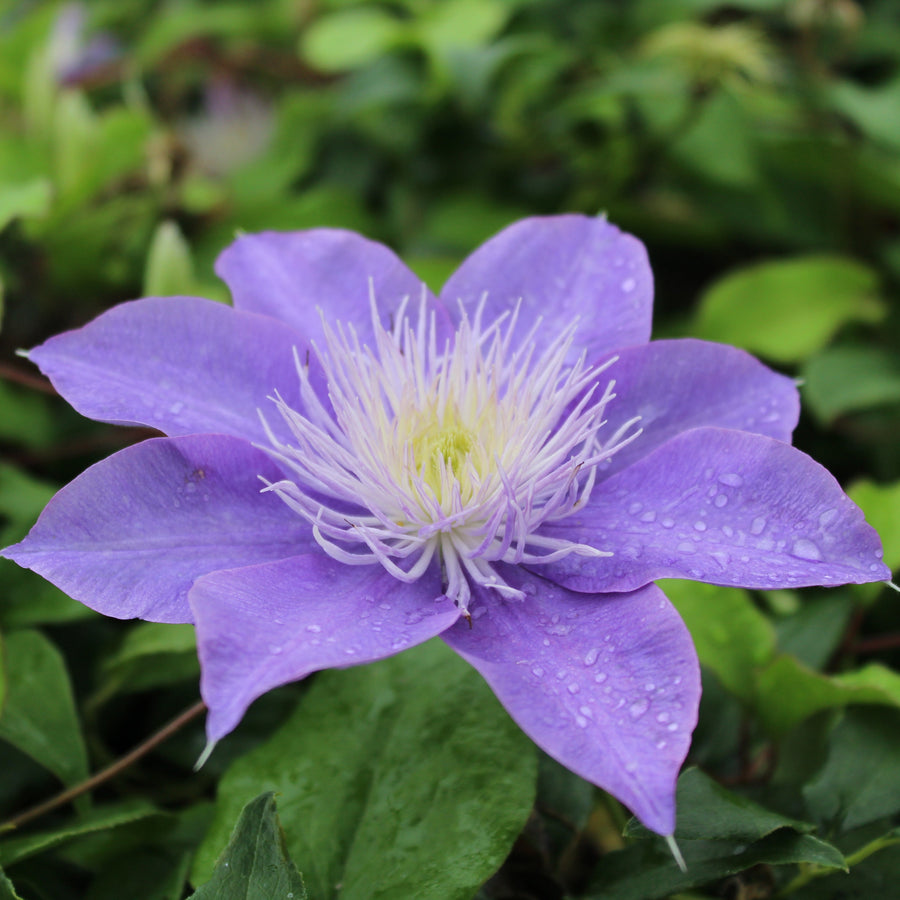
[353,466]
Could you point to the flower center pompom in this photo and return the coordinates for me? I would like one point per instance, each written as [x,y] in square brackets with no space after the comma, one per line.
[457,453]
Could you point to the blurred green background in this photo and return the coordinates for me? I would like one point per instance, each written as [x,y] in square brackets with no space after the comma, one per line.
[753,145]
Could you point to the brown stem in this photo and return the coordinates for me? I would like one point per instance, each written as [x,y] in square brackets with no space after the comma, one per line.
[876,644]
[110,771]
[12,373]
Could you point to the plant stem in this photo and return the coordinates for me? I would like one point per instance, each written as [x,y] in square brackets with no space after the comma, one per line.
[182,719]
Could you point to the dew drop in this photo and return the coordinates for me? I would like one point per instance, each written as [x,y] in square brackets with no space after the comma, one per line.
[538,671]
[662,718]
[635,508]
[757,525]
[561,673]
[649,516]
[667,522]
[700,526]
[581,721]
[636,710]
[176,407]
[586,711]
[574,687]
[628,285]
[384,606]
[732,479]
[827,517]
[660,745]
[631,767]
[649,686]
[673,726]
[274,649]
[720,501]
[686,547]
[728,531]
[805,549]
[315,629]
[600,677]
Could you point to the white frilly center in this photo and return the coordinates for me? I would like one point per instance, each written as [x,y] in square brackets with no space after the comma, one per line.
[456,453]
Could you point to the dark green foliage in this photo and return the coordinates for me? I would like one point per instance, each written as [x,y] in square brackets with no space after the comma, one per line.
[754,146]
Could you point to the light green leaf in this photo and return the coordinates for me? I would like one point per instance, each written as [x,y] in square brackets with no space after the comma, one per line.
[350,38]
[881,504]
[39,716]
[842,380]
[7,891]
[733,639]
[29,199]
[255,863]
[169,269]
[788,309]
[405,778]
[461,23]
[788,692]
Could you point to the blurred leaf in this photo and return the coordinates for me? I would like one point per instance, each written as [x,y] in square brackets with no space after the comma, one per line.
[16,849]
[148,874]
[881,504]
[29,199]
[404,778]
[789,309]
[7,891]
[860,781]
[169,269]
[788,692]
[733,639]
[255,863]
[151,655]
[872,110]
[461,23]
[350,38]
[814,631]
[709,812]
[843,380]
[39,716]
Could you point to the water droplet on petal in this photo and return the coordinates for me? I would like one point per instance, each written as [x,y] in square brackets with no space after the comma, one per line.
[313,628]
[586,711]
[667,522]
[538,671]
[274,649]
[639,708]
[686,547]
[757,525]
[591,656]
[720,501]
[662,718]
[574,687]
[700,526]
[581,721]
[806,549]
[628,285]
[732,479]
[827,517]
[631,767]
[600,677]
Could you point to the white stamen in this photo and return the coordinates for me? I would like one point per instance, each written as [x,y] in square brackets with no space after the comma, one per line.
[459,454]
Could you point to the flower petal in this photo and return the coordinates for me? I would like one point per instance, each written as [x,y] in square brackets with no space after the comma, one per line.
[296,275]
[129,535]
[607,684]
[562,267]
[682,384]
[180,364]
[263,626]
[726,507]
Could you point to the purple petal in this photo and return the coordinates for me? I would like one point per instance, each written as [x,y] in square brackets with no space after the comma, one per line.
[678,385]
[267,625]
[180,364]
[726,507]
[297,275]
[562,267]
[606,684]
[129,535]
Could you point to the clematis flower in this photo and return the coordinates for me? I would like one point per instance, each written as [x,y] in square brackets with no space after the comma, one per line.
[353,466]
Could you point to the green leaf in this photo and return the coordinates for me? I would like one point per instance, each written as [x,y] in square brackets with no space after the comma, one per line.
[15,849]
[788,309]
[169,269]
[874,111]
[814,631]
[842,380]
[788,692]
[646,871]
[7,891]
[29,199]
[732,637]
[461,23]
[255,863]
[39,716]
[405,778]
[709,812]
[860,781]
[881,504]
[350,38]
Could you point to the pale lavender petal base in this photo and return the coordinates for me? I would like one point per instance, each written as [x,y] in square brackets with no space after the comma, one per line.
[131,533]
[180,364]
[562,267]
[263,626]
[609,685]
[298,276]
[720,506]
[682,384]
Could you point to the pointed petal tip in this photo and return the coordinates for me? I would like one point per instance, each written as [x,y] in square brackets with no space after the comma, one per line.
[675,851]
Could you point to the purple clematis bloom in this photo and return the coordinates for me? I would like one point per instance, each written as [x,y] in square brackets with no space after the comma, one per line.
[354,466]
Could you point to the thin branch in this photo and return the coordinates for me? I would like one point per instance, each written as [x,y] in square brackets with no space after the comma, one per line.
[109,772]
